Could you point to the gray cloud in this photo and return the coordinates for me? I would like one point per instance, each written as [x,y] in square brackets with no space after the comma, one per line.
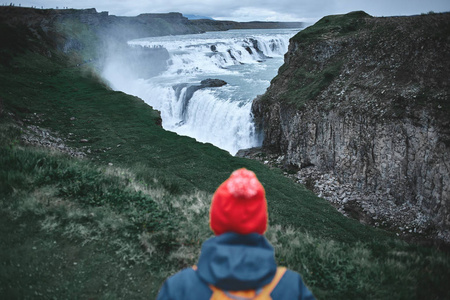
[250,10]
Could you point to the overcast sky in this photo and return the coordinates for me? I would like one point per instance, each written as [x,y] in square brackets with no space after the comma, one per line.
[249,10]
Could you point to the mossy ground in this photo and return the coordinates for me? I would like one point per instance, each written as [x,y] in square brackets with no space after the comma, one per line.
[335,25]
[81,228]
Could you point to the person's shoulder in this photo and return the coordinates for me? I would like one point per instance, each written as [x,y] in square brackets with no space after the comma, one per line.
[184,285]
[183,279]
[187,272]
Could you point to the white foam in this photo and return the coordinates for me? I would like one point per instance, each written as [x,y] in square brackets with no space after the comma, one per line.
[221,116]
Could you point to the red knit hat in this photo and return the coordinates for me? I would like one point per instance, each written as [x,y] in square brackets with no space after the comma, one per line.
[239,205]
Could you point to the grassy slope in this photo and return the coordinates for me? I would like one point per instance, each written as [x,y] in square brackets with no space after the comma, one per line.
[82,229]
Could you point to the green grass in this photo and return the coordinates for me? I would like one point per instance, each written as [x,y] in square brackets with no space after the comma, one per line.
[334,25]
[12,42]
[58,245]
[306,85]
[79,40]
[307,81]
[81,228]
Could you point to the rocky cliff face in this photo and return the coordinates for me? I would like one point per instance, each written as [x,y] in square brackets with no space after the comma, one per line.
[367,100]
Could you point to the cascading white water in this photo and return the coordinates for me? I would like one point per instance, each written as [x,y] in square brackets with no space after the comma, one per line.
[245,59]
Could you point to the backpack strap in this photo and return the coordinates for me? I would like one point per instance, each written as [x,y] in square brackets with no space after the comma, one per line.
[261,293]
[219,294]
[267,289]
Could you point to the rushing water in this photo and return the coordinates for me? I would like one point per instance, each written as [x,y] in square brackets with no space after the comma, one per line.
[246,59]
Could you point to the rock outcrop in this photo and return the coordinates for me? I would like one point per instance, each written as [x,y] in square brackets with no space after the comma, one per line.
[191,89]
[366,100]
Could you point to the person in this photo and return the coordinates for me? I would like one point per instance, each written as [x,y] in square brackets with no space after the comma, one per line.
[238,262]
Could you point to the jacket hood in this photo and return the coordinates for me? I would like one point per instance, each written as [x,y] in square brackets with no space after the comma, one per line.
[234,261]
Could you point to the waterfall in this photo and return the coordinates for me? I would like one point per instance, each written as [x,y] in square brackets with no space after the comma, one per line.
[244,60]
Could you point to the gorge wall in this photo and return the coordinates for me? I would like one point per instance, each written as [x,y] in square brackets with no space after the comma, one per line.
[367,100]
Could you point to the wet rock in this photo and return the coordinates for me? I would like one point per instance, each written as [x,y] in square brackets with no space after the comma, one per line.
[191,89]
[212,83]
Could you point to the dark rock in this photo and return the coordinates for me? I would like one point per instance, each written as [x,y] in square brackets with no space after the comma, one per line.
[191,89]
[250,152]
[231,55]
[212,83]
[256,47]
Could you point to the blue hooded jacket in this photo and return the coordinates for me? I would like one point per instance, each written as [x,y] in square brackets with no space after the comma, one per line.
[233,262]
